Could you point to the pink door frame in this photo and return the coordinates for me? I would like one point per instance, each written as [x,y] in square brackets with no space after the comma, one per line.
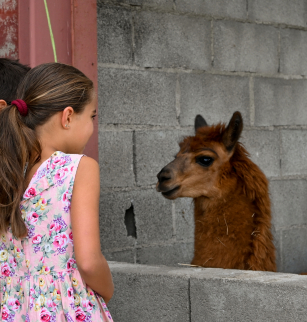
[74,26]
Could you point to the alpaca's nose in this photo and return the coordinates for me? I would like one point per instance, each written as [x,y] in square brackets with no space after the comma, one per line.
[164,175]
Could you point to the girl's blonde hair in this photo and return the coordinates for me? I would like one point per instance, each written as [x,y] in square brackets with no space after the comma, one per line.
[46,89]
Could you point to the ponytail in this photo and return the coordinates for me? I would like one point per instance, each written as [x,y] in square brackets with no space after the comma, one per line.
[46,90]
[19,147]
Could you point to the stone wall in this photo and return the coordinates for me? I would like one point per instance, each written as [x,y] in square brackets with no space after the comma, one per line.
[161,62]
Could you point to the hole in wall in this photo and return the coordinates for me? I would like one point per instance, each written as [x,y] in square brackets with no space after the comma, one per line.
[130,222]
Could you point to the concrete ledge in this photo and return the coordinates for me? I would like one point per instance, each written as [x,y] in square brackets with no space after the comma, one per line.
[160,293]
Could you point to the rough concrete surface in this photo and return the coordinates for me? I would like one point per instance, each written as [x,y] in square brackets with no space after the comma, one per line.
[280,101]
[233,8]
[116,158]
[136,97]
[165,40]
[294,152]
[263,147]
[215,97]
[292,57]
[245,47]
[151,293]
[114,28]
[279,11]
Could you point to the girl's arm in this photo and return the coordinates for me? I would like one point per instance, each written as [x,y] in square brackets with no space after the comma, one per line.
[92,265]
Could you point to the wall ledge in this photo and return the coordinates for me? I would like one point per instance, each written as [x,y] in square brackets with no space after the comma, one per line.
[160,293]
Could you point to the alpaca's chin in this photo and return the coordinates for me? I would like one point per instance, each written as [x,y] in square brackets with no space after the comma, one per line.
[171,194]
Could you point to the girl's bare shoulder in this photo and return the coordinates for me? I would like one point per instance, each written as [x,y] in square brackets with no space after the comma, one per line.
[88,171]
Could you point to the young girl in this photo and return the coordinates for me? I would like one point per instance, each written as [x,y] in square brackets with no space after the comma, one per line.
[51,265]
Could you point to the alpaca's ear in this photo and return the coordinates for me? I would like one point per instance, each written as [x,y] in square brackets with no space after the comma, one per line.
[233,131]
[199,122]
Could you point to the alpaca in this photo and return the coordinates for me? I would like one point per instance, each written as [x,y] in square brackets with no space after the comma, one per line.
[231,200]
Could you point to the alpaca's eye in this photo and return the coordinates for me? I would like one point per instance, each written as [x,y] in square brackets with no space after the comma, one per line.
[205,161]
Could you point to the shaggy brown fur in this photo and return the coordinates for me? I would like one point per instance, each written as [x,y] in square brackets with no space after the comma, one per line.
[231,200]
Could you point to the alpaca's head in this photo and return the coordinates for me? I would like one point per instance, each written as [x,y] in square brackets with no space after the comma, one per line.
[202,162]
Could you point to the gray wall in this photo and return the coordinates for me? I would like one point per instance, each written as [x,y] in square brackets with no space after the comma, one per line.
[161,62]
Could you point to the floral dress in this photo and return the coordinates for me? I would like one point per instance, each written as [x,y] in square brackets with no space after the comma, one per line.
[40,280]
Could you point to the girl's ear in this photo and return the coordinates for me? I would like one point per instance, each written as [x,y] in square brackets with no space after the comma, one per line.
[3,104]
[67,117]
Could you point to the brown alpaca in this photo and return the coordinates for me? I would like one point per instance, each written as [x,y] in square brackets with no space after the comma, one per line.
[231,200]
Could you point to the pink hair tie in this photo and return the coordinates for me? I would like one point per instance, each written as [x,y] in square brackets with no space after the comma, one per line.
[21,106]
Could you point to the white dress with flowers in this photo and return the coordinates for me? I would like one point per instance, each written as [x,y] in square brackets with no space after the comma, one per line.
[40,280]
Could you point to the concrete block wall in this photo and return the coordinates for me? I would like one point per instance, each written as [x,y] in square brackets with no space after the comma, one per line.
[153,293]
[161,62]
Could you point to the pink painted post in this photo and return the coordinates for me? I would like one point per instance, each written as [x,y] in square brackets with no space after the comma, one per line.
[75,34]
[84,48]
[34,37]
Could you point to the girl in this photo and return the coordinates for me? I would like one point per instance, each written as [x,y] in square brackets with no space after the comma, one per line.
[51,266]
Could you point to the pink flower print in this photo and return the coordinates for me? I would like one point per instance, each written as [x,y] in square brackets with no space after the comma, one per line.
[12,261]
[58,161]
[5,269]
[45,315]
[87,305]
[37,239]
[60,240]
[5,312]
[31,192]
[72,169]
[54,227]
[32,291]
[32,218]
[70,263]
[67,197]
[70,294]
[71,237]
[50,303]
[14,303]
[60,174]
[80,315]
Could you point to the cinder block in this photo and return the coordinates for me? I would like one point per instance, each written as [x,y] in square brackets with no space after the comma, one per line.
[144,293]
[294,250]
[184,208]
[136,97]
[263,147]
[156,4]
[221,8]
[113,232]
[114,35]
[116,159]
[166,40]
[280,101]
[126,256]
[278,247]
[292,52]
[153,216]
[171,255]
[289,203]
[154,150]
[280,11]
[227,295]
[245,47]
[215,97]
[294,152]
